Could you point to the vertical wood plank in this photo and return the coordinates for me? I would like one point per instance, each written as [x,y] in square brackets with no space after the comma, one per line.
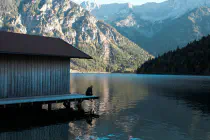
[1,76]
[22,76]
[6,76]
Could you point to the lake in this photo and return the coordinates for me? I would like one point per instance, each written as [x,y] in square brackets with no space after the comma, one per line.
[138,107]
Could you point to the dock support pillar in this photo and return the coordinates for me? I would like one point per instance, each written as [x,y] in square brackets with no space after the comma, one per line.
[49,107]
[79,105]
[67,104]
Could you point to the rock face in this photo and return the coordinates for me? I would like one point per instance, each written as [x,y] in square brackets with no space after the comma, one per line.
[90,5]
[177,33]
[159,27]
[65,19]
[170,9]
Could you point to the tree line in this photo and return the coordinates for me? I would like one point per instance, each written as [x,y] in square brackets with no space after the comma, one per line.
[194,59]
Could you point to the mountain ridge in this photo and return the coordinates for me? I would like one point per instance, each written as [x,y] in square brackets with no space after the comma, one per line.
[154,35]
[150,11]
[67,20]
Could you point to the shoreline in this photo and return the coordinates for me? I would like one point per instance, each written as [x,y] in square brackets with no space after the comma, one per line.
[75,71]
[91,72]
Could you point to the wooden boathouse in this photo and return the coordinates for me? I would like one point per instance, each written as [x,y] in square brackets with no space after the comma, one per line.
[36,69]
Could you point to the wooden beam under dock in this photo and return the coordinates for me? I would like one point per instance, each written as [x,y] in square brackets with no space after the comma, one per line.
[46,99]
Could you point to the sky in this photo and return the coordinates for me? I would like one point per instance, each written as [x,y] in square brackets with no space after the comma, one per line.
[134,2]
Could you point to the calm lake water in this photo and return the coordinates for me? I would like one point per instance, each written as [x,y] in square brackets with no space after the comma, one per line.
[139,107]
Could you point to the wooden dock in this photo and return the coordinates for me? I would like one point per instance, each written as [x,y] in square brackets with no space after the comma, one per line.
[46,99]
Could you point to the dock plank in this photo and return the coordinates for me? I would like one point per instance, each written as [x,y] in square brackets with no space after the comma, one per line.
[52,98]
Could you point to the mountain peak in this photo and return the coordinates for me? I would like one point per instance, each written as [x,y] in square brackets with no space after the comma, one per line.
[66,20]
[88,5]
[130,5]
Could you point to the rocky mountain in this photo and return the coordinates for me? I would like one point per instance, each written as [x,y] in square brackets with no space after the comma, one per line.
[65,19]
[190,60]
[159,27]
[162,36]
[178,32]
[170,9]
[90,5]
[151,11]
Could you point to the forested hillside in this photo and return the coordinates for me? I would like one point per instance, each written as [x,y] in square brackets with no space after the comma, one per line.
[190,60]
[65,19]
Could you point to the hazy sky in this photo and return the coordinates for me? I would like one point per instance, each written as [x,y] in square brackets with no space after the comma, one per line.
[135,2]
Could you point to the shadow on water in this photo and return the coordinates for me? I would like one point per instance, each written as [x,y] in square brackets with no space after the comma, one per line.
[194,91]
[197,101]
[23,119]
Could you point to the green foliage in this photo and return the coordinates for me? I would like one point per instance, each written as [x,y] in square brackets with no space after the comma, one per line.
[111,52]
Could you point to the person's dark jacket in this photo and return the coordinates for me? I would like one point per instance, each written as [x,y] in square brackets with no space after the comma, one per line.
[89,91]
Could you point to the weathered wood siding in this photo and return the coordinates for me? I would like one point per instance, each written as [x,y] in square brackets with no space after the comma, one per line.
[23,76]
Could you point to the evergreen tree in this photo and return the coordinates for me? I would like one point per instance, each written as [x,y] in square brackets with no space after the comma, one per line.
[192,59]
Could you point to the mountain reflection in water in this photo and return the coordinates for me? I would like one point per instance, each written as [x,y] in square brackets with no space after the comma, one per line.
[144,107]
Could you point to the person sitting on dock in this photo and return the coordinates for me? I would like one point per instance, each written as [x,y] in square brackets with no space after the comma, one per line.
[89,91]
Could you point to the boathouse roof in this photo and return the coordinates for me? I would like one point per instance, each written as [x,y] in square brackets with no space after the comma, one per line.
[15,43]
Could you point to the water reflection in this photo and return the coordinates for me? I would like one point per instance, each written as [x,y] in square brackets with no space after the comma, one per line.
[151,106]
[194,91]
[25,124]
[116,93]
[52,132]
[145,107]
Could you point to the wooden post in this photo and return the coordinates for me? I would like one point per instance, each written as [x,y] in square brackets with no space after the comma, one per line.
[49,106]
[79,105]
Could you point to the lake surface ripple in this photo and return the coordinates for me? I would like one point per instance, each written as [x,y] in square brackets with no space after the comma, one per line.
[135,107]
